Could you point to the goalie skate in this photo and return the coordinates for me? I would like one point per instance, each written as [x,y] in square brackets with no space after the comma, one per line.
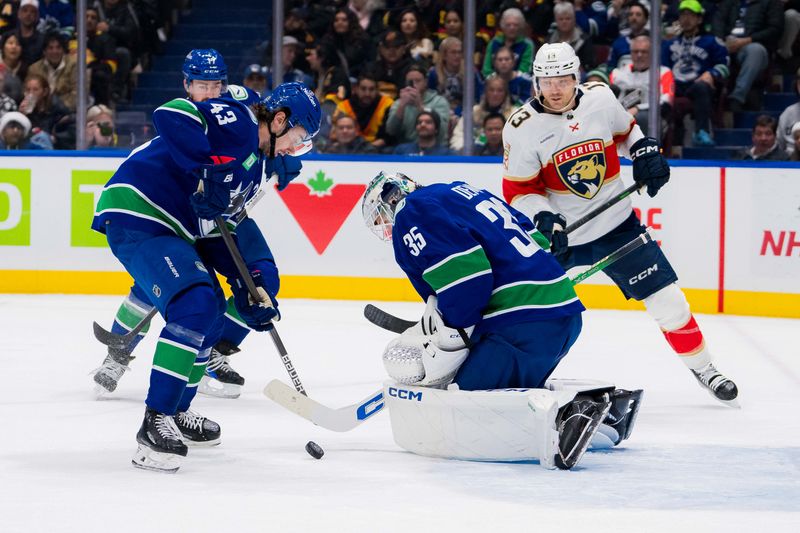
[114,366]
[577,423]
[720,387]
[220,379]
[160,446]
[197,430]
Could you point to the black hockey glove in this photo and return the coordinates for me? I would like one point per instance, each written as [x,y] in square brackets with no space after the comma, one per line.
[257,315]
[214,192]
[650,168]
[552,225]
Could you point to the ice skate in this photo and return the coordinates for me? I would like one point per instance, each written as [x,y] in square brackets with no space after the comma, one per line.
[577,423]
[220,379]
[160,445]
[197,430]
[107,376]
[720,387]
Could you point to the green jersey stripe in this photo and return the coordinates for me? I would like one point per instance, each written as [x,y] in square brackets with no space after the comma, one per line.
[540,239]
[128,315]
[530,295]
[462,280]
[170,373]
[185,107]
[125,198]
[174,358]
[453,269]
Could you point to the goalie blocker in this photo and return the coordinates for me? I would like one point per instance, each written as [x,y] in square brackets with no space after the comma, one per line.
[554,425]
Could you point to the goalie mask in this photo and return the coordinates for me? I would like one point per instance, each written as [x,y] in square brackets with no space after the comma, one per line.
[381,199]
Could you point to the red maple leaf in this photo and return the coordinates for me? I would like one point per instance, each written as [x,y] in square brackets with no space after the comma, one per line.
[321,217]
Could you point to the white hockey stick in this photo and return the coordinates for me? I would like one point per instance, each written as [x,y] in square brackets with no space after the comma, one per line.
[342,419]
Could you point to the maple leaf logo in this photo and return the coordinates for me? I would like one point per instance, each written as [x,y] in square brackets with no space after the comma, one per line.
[320,185]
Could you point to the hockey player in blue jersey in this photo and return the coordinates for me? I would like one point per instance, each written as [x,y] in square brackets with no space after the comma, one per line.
[205,76]
[157,213]
[501,312]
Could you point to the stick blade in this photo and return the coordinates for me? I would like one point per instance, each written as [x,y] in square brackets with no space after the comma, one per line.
[384,320]
[111,340]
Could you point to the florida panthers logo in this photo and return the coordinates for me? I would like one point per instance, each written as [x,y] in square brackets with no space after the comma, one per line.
[582,167]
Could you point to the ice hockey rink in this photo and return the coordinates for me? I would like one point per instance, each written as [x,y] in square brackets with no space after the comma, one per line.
[691,465]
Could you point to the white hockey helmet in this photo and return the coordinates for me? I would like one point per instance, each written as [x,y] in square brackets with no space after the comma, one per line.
[555,59]
[381,199]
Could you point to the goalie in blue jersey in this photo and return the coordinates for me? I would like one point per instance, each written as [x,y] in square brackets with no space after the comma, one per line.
[205,76]
[158,212]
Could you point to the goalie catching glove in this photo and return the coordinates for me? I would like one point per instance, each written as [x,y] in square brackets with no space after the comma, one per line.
[428,353]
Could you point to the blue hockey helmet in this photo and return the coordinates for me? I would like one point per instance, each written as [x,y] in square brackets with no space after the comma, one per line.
[383,197]
[205,64]
[301,102]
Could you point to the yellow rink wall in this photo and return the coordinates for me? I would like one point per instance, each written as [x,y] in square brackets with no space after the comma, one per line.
[732,233]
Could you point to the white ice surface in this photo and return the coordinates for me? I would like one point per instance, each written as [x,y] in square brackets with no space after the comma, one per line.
[691,465]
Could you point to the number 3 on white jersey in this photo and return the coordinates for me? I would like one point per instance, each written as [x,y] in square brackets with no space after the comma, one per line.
[217,109]
[415,241]
[491,209]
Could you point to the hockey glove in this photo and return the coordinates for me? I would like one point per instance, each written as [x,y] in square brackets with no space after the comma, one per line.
[257,315]
[214,191]
[650,168]
[287,168]
[552,225]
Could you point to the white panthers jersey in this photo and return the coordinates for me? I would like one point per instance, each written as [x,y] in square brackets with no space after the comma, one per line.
[568,163]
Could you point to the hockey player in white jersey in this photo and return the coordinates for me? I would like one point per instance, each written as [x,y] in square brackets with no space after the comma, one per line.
[561,161]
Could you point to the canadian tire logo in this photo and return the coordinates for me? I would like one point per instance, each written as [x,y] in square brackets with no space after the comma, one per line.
[320,207]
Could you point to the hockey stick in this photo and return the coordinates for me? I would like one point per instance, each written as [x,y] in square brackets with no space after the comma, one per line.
[384,320]
[602,208]
[121,342]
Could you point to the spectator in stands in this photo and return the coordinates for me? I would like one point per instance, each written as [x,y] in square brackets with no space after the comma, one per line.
[393,61]
[100,58]
[413,29]
[765,144]
[14,134]
[15,67]
[567,31]
[699,63]
[349,42]
[495,99]
[787,120]
[447,76]
[512,27]
[369,109]
[255,78]
[452,25]
[346,139]
[43,109]
[633,81]
[637,17]
[57,14]
[519,83]
[414,97]
[6,102]
[331,79]
[493,130]
[100,127]
[427,126]
[370,16]
[791,28]
[750,30]
[60,70]
[117,20]
[8,15]
[295,26]
[30,38]
[796,142]
[289,52]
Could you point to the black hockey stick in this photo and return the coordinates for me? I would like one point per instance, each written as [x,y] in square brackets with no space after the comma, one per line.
[602,208]
[121,342]
[389,322]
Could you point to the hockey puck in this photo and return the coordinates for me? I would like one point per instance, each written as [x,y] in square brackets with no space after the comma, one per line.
[314,450]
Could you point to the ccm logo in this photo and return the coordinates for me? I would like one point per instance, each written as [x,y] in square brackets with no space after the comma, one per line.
[405,394]
[641,275]
[644,150]
[370,407]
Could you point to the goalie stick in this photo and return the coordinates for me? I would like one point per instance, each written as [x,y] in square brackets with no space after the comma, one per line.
[351,416]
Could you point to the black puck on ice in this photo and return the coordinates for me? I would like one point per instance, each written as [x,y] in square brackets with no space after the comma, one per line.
[314,450]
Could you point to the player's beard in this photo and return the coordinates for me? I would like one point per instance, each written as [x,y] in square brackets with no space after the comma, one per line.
[569,105]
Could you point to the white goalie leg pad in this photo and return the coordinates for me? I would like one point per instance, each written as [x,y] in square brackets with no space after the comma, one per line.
[668,307]
[494,425]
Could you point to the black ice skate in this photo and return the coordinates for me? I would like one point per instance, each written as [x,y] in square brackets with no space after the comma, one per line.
[720,387]
[221,380]
[110,372]
[577,422]
[197,430]
[160,444]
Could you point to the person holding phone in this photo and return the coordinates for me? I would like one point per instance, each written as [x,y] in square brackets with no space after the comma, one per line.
[413,98]
[100,127]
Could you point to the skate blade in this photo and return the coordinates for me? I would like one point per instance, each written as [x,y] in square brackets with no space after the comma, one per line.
[201,444]
[212,387]
[148,459]
[100,392]
[733,404]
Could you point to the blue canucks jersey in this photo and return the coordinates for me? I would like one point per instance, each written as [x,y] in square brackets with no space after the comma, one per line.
[151,189]
[484,260]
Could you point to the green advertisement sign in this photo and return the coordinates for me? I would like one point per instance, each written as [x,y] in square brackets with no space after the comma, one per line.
[15,207]
[86,188]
